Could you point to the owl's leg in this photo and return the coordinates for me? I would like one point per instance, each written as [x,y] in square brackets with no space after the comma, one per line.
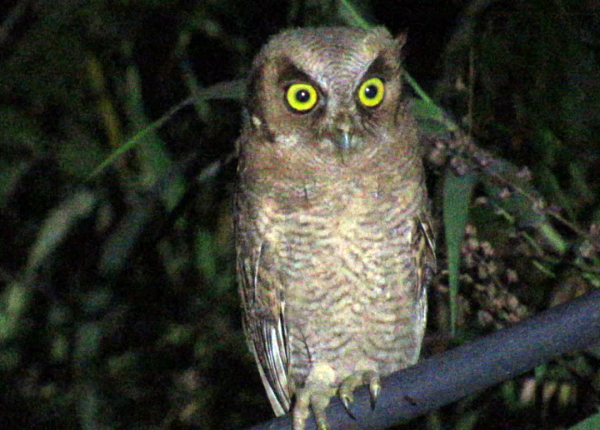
[352,382]
[315,396]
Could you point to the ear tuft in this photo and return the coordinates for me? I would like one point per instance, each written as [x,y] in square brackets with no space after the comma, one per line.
[401,40]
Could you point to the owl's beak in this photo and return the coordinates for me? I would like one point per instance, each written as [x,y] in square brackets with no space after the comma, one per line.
[345,141]
[343,136]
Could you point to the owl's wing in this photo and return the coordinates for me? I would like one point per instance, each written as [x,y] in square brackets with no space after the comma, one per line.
[264,324]
[424,248]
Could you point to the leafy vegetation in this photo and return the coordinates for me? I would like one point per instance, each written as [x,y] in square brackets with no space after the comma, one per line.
[118,302]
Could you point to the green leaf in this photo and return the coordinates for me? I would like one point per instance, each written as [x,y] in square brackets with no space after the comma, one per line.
[592,423]
[352,16]
[56,227]
[230,90]
[457,198]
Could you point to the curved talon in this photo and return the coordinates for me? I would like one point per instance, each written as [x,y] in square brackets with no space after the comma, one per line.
[373,380]
[346,390]
[347,402]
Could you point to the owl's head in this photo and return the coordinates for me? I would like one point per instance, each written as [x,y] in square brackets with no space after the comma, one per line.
[323,92]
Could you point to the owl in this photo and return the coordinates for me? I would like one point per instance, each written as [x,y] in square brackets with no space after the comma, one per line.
[333,239]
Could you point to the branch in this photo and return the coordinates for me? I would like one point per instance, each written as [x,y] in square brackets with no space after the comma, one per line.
[470,368]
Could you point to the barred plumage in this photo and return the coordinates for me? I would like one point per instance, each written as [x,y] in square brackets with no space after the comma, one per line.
[334,249]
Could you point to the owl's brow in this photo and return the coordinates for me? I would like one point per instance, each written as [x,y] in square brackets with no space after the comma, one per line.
[290,72]
[380,68]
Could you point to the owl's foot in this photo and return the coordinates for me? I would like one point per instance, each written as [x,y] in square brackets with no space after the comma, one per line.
[352,382]
[315,396]
[317,392]
[315,399]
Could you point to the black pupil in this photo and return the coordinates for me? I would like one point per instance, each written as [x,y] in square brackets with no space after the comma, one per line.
[371,92]
[302,96]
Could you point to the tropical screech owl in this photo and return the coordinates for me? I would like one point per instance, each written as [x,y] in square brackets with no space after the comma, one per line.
[334,250]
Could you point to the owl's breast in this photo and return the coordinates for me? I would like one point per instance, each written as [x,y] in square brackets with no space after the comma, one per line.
[355,236]
[350,280]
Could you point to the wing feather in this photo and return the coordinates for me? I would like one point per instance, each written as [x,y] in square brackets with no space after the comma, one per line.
[264,319]
[423,245]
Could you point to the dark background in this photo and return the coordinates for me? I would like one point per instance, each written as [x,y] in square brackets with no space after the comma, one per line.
[118,302]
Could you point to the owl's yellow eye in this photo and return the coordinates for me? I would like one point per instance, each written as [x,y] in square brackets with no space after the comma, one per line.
[301,97]
[371,92]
